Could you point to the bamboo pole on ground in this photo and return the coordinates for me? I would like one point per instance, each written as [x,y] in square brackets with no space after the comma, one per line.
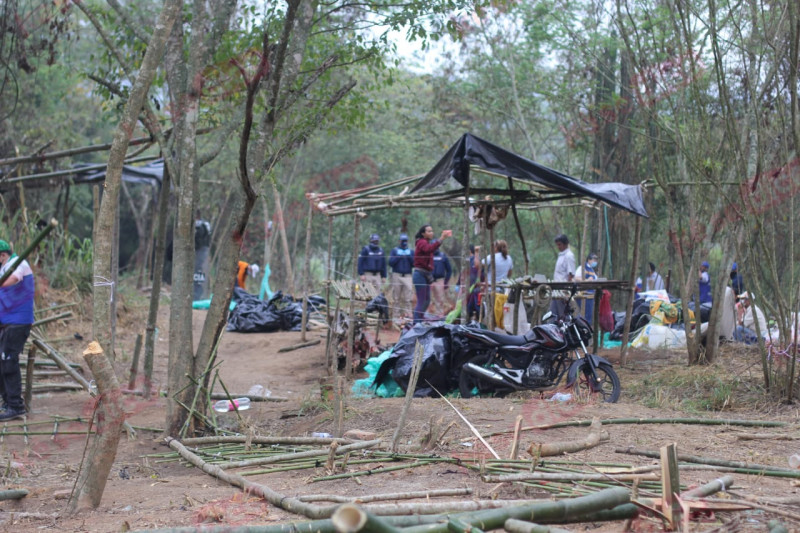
[110,418]
[350,518]
[520,526]
[789,472]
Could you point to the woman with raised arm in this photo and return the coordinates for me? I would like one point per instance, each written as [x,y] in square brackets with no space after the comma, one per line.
[422,277]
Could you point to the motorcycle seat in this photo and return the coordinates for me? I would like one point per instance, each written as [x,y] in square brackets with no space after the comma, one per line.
[504,339]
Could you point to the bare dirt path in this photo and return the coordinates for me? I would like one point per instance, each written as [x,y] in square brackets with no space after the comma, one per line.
[146,493]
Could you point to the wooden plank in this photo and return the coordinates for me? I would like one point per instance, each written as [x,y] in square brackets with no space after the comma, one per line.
[670,484]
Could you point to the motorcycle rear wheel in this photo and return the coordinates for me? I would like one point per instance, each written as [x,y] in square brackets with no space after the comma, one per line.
[468,383]
[608,385]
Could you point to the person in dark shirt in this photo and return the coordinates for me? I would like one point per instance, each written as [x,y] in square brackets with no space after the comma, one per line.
[737,283]
[704,283]
[401,260]
[442,271]
[372,263]
[424,247]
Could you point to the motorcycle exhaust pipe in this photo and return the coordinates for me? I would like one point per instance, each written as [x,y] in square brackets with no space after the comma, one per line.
[484,372]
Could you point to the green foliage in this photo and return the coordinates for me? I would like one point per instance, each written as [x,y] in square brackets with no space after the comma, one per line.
[67,262]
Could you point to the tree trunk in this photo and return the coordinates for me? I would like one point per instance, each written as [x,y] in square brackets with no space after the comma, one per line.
[110,418]
[103,290]
[287,257]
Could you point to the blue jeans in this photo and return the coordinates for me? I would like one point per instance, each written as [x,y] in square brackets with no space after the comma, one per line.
[745,335]
[423,290]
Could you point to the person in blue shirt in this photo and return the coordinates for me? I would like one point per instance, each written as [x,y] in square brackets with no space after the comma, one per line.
[401,260]
[16,318]
[442,271]
[372,263]
[704,284]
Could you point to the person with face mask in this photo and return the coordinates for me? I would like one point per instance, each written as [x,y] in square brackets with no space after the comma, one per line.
[588,273]
[401,259]
[372,263]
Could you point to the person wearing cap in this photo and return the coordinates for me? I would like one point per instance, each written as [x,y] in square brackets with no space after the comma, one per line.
[564,271]
[401,260]
[747,313]
[16,318]
[245,269]
[588,272]
[372,263]
[442,271]
[737,283]
[704,284]
[654,281]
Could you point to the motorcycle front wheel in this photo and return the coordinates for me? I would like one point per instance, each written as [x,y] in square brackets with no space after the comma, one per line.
[470,385]
[607,384]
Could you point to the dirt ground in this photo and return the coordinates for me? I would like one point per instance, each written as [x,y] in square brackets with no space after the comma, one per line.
[143,493]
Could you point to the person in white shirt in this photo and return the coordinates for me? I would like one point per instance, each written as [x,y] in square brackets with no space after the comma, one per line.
[747,314]
[654,281]
[502,262]
[564,271]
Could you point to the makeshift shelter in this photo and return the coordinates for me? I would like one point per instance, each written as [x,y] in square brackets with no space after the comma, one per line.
[450,184]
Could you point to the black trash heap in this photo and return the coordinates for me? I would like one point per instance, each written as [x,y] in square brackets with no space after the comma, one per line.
[279,313]
[444,352]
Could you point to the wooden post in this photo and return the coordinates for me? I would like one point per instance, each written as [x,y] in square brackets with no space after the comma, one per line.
[412,386]
[137,347]
[493,287]
[329,272]
[351,330]
[670,484]
[519,229]
[623,359]
[598,295]
[29,377]
[307,273]
[465,255]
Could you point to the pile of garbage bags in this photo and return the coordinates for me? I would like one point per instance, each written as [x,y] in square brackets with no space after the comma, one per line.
[279,313]
[444,351]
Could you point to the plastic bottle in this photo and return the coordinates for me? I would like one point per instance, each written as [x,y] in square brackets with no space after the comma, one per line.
[561,397]
[794,460]
[259,390]
[223,406]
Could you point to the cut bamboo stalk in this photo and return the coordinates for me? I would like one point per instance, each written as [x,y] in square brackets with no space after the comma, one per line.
[714,461]
[298,346]
[350,518]
[13,494]
[29,374]
[515,442]
[412,386]
[549,449]
[241,439]
[766,436]
[568,477]
[520,526]
[301,455]
[692,421]
[253,398]
[425,494]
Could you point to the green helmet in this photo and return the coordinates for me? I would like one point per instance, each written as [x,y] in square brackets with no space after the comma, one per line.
[4,246]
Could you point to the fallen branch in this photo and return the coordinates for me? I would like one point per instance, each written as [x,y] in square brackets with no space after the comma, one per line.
[549,449]
[470,426]
[298,346]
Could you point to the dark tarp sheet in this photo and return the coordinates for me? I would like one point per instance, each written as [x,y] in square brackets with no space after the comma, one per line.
[472,150]
[444,351]
[149,174]
[252,315]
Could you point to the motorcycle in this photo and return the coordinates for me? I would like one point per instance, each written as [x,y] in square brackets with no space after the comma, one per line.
[538,360]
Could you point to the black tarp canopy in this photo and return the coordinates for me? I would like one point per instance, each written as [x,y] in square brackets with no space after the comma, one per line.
[149,174]
[474,151]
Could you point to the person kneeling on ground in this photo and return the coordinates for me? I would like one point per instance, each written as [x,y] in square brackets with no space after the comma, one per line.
[747,314]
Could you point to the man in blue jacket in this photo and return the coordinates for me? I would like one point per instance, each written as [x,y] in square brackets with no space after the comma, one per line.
[442,270]
[16,317]
[372,264]
[401,259]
